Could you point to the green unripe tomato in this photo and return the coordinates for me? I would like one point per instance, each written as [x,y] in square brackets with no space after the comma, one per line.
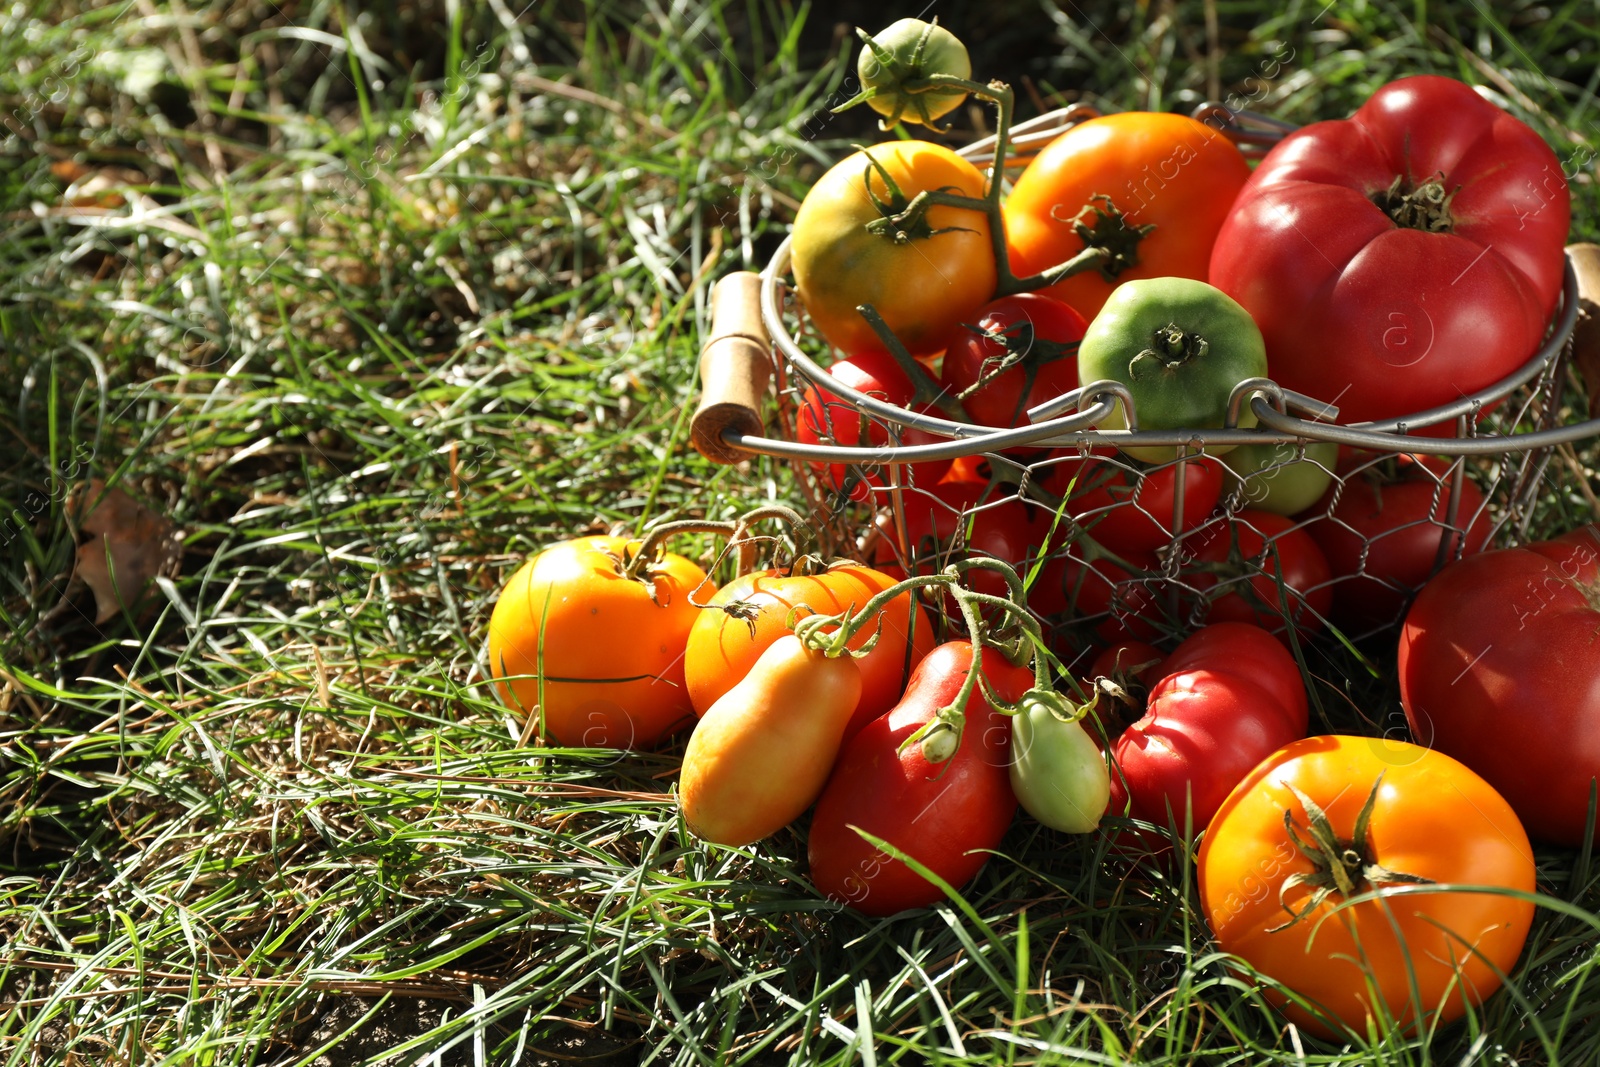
[909,50]
[1057,772]
[1180,346]
[1276,479]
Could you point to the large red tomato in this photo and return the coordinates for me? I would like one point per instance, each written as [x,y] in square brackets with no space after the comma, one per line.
[1500,668]
[1382,537]
[947,816]
[1161,170]
[1401,258]
[827,419]
[1224,700]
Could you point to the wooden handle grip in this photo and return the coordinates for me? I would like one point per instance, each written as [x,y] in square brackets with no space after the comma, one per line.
[734,368]
[1586,334]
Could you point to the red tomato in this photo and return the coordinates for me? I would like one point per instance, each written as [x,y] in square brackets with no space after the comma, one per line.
[1071,588]
[1381,539]
[1129,510]
[723,645]
[1224,700]
[1035,337]
[1159,169]
[1129,660]
[827,419]
[1260,545]
[1500,668]
[1373,297]
[946,815]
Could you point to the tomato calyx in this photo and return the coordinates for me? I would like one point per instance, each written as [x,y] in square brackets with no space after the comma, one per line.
[905,220]
[1171,347]
[1107,230]
[1340,866]
[1423,205]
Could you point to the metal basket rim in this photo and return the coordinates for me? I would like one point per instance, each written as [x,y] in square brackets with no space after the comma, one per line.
[1269,402]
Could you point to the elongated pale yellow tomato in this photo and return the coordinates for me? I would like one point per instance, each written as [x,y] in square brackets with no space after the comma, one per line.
[612,645]
[762,754]
[1430,818]
[924,281]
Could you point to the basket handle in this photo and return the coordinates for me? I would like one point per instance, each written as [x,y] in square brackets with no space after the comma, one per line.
[735,366]
[1585,259]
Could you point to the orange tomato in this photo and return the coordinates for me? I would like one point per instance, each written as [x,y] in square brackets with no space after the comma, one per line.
[1431,817]
[763,751]
[1169,170]
[724,645]
[612,646]
[923,286]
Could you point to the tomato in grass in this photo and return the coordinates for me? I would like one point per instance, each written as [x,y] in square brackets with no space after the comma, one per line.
[823,418]
[1224,699]
[1018,353]
[923,279]
[761,754]
[1395,817]
[1500,668]
[1167,172]
[561,613]
[1403,257]
[946,816]
[751,612]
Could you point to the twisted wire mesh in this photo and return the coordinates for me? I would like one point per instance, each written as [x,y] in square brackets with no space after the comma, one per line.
[1088,587]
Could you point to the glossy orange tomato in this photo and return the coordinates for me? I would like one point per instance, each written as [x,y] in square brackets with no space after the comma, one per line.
[612,653]
[724,645]
[1167,170]
[923,286]
[763,751]
[1433,818]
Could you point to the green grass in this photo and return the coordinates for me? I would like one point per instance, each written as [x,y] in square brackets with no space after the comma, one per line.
[387,303]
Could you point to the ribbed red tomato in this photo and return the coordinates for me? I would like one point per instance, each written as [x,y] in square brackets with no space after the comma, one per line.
[1401,258]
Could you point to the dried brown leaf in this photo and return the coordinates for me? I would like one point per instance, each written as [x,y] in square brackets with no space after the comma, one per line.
[125,546]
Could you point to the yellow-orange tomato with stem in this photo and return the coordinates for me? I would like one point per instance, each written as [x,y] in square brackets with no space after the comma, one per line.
[751,612]
[762,753]
[1430,818]
[1165,170]
[609,647]
[924,282]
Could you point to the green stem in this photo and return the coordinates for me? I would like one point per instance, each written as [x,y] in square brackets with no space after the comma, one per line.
[653,540]
[924,389]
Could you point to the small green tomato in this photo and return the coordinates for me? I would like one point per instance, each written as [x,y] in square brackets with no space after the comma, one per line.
[910,50]
[1275,478]
[1057,772]
[1180,346]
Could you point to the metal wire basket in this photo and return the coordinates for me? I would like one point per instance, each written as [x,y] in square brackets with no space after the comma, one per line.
[1483,486]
